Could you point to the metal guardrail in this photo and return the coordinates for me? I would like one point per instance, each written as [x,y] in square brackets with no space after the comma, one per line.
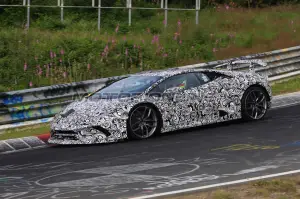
[45,102]
[60,5]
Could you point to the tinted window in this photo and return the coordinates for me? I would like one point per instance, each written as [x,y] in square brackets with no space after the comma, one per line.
[203,78]
[214,75]
[185,81]
[126,87]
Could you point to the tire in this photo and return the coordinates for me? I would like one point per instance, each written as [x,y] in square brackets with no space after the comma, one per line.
[254,104]
[143,122]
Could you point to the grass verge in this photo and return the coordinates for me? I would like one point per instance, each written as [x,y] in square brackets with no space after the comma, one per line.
[288,86]
[25,131]
[46,55]
[277,188]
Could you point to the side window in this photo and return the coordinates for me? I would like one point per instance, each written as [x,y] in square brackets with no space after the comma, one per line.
[185,81]
[214,75]
[203,78]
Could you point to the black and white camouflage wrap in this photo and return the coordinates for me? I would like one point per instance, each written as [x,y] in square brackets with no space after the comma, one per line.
[190,108]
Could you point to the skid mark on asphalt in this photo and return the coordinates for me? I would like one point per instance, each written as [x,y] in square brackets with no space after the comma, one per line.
[239,147]
[248,147]
[121,179]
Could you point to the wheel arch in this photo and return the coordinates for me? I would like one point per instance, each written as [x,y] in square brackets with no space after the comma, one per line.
[151,105]
[262,87]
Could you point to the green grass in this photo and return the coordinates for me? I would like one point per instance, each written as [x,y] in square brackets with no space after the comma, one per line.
[25,131]
[287,86]
[221,194]
[251,30]
[280,188]
[291,85]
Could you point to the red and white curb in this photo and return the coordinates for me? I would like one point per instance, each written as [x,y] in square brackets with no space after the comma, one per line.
[24,143]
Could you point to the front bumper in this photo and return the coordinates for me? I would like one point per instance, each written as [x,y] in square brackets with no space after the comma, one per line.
[77,142]
[84,136]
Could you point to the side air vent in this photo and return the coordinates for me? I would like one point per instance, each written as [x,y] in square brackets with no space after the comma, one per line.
[99,128]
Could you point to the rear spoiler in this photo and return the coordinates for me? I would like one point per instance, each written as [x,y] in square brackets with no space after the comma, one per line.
[231,64]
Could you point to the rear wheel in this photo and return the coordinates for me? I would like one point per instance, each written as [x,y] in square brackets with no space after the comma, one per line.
[143,122]
[254,103]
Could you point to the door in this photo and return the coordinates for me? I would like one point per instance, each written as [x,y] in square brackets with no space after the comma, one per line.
[177,96]
[220,91]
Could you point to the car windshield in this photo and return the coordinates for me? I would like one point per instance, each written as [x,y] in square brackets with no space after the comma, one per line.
[127,87]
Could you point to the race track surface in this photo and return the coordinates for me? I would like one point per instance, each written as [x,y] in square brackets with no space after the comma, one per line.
[185,159]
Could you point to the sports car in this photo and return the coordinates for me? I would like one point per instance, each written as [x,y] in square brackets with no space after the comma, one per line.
[142,105]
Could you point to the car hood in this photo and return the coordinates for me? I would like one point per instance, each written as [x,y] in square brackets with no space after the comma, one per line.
[87,113]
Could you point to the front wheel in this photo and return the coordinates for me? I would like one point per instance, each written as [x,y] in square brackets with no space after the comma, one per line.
[143,122]
[254,104]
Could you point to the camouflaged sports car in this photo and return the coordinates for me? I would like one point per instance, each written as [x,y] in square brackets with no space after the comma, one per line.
[142,105]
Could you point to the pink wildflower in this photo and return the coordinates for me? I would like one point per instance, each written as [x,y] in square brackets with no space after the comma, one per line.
[176,35]
[30,84]
[62,52]
[89,66]
[117,28]
[179,23]
[25,66]
[48,71]
[155,39]
[39,70]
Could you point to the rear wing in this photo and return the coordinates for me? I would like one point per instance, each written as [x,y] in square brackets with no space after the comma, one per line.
[237,64]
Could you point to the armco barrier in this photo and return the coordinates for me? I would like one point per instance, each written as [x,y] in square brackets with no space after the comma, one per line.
[45,102]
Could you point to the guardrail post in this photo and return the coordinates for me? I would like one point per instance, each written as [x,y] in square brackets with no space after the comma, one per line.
[62,11]
[58,3]
[28,14]
[24,2]
[129,6]
[197,11]
[162,4]
[166,13]
[93,3]
[99,15]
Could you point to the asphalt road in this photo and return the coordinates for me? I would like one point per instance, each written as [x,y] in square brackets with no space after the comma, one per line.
[185,159]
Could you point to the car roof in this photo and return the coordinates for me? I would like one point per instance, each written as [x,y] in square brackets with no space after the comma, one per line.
[165,73]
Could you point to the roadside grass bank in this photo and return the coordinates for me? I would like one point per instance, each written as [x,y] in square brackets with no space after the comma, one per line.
[288,86]
[25,131]
[278,188]
[52,53]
